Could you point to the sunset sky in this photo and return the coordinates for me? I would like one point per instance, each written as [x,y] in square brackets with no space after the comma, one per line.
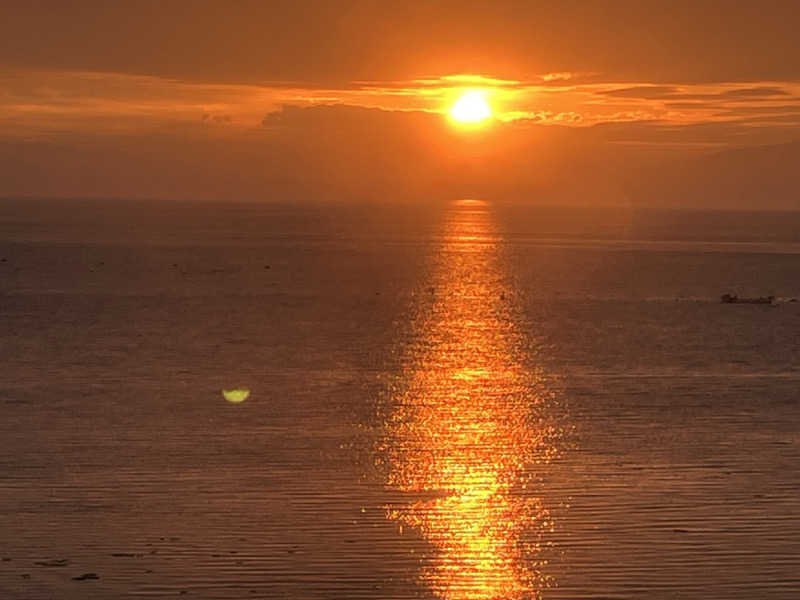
[688,103]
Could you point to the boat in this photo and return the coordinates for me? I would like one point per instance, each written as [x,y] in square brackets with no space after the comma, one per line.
[734,299]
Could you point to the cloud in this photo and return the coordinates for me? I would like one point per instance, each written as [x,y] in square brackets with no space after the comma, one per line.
[642,91]
[563,76]
[222,119]
[42,103]
[756,92]
[761,108]
[166,138]
[342,153]
[685,92]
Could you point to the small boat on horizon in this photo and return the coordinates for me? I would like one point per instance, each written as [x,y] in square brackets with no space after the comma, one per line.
[734,299]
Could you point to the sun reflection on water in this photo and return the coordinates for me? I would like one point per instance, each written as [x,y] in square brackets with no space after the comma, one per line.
[468,428]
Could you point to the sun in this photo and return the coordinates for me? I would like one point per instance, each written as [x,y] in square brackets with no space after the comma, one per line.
[471,107]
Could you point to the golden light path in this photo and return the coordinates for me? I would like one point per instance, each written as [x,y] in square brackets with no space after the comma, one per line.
[466,430]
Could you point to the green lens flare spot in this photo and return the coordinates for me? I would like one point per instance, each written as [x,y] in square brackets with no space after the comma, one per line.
[237,395]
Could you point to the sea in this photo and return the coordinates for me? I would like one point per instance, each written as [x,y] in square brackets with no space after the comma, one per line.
[455,400]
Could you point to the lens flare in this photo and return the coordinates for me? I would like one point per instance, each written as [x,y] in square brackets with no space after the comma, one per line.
[236,396]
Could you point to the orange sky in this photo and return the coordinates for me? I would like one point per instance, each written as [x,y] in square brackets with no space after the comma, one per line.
[577,87]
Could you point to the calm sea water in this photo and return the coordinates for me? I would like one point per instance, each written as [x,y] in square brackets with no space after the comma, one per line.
[464,401]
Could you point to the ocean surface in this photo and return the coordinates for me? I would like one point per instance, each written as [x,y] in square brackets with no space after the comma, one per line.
[456,401]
